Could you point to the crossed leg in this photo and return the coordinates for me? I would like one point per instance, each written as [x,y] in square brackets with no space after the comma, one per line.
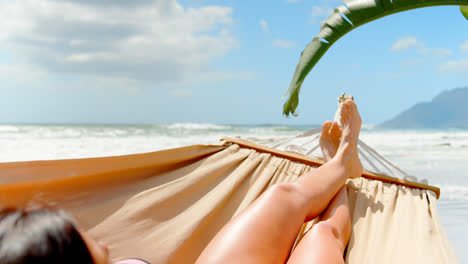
[266,230]
[326,241]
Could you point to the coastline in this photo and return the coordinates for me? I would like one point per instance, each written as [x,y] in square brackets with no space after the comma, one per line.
[438,155]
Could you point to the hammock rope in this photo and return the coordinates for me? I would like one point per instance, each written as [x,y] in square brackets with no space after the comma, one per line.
[307,144]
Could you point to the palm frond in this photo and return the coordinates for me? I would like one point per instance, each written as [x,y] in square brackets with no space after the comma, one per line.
[464,10]
[344,19]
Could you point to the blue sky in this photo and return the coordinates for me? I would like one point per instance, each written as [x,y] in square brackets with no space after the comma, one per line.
[218,61]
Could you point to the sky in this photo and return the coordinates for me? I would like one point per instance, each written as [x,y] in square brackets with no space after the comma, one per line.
[215,61]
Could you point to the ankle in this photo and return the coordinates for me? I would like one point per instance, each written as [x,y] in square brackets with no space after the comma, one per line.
[349,162]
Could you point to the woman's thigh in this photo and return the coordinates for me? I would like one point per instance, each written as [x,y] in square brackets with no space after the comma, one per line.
[264,233]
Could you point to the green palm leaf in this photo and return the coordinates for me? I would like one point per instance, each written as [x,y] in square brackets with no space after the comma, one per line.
[464,10]
[343,20]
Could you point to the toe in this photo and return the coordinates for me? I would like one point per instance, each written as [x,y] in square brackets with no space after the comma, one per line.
[344,114]
[335,130]
[326,127]
[351,105]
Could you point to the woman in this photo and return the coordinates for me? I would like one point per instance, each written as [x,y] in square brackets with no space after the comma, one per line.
[275,218]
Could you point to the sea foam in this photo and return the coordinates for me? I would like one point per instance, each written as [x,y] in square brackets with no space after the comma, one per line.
[439,155]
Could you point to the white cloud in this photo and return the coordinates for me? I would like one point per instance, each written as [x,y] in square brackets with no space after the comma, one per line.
[459,66]
[264,26]
[20,75]
[319,13]
[455,66]
[285,44]
[404,44]
[464,47]
[140,40]
[441,52]
[408,43]
[81,57]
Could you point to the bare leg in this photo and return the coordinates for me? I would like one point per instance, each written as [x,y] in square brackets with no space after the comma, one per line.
[326,241]
[266,230]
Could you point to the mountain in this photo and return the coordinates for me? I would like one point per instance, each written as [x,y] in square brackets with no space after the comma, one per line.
[447,110]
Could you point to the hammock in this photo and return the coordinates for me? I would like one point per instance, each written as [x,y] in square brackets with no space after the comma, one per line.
[166,206]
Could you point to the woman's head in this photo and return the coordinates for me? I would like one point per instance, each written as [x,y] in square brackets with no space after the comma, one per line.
[45,236]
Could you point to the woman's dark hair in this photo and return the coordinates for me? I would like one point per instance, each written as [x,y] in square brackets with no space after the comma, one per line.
[42,236]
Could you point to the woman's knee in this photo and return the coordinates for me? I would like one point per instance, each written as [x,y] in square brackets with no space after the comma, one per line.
[326,229]
[287,194]
[284,188]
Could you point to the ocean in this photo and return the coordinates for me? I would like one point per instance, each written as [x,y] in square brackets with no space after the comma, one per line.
[441,156]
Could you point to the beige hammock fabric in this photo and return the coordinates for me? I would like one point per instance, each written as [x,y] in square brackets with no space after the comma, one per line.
[166,206]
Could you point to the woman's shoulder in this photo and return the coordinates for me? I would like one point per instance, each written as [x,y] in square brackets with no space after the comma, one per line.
[131,261]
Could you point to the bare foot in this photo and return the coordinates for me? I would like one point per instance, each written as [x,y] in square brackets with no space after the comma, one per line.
[348,150]
[330,139]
